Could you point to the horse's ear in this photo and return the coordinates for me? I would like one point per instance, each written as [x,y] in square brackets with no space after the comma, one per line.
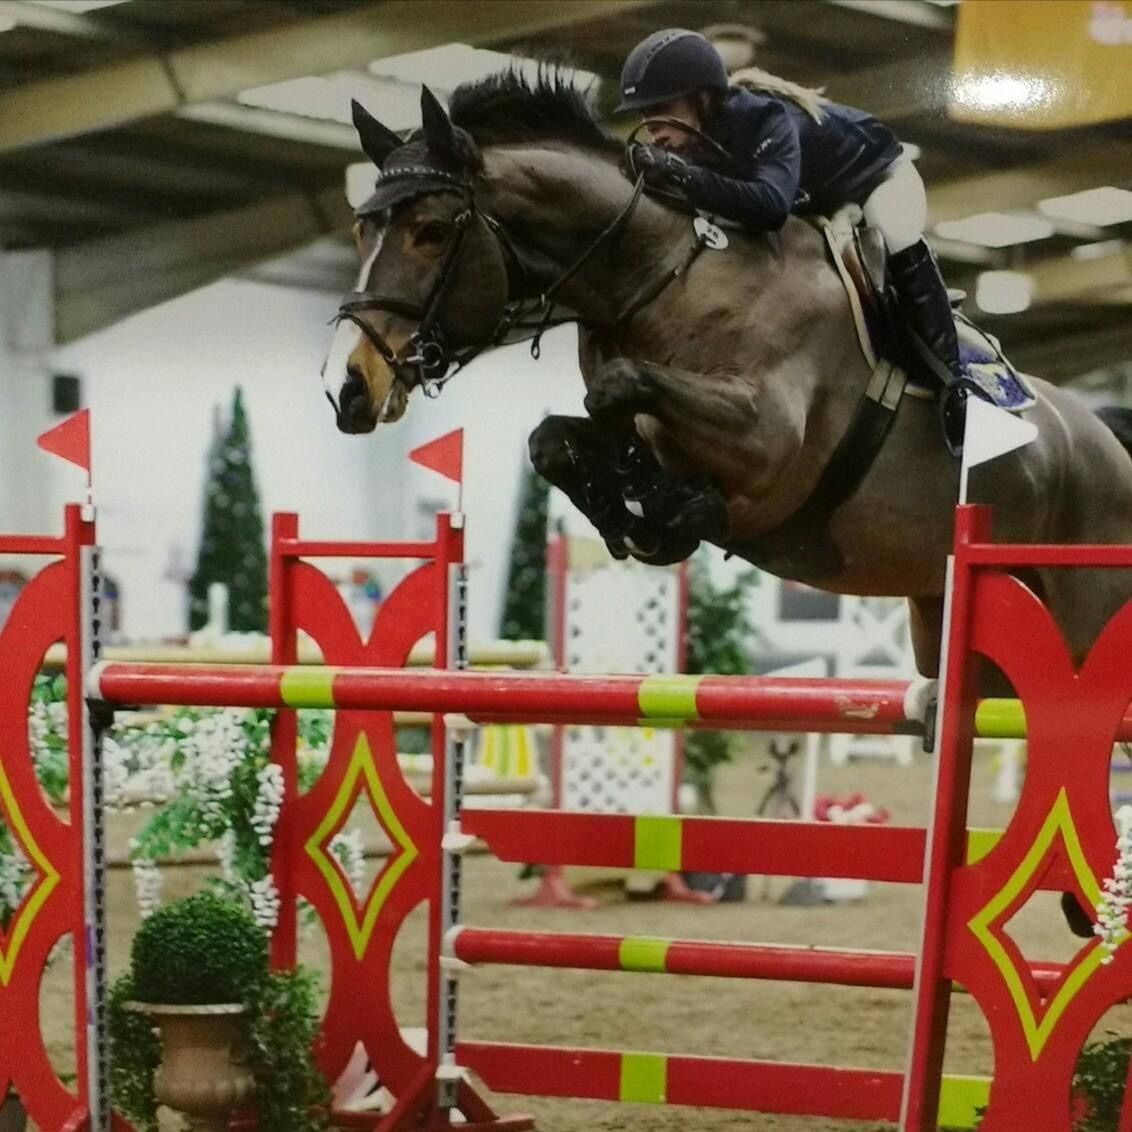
[439,132]
[378,141]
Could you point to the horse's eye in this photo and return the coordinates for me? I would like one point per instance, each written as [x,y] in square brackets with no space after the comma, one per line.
[432,232]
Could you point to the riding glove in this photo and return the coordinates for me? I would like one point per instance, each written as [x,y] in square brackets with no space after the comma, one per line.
[662,168]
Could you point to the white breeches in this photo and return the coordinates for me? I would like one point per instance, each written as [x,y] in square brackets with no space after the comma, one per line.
[898,206]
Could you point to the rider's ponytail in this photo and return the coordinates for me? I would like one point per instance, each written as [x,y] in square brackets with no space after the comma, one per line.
[760,81]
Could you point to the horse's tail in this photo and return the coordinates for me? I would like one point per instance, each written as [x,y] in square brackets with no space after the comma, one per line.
[1119,422]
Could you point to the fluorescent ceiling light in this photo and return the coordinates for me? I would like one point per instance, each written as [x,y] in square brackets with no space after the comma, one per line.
[1001,90]
[1106,205]
[1097,250]
[1003,292]
[391,91]
[327,97]
[359,183]
[445,68]
[995,229]
[78,7]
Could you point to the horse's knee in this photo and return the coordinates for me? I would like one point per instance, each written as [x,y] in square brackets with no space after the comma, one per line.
[621,388]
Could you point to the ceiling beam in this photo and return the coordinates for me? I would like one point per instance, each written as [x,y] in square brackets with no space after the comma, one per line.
[121,92]
[45,207]
[897,91]
[101,281]
[273,123]
[1071,171]
[138,172]
[1066,356]
[912,12]
[1062,279]
[41,17]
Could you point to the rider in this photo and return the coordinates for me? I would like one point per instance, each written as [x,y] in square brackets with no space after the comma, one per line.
[790,150]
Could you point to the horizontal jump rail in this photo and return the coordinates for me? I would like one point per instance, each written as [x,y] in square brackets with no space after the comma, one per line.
[757,703]
[494,654]
[754,846]
[890,970]
[732,703]
[712,1082]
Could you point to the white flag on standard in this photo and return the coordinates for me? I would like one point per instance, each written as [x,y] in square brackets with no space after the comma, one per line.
[991,432]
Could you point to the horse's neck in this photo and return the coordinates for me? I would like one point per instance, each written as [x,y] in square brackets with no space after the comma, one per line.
[773,292]
[555,203]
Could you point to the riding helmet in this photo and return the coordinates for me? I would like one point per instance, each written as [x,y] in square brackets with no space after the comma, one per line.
[670,64]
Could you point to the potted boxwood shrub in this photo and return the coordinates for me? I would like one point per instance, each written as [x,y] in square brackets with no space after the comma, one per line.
[232,1034]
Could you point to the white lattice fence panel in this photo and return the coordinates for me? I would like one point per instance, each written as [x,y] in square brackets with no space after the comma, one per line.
[619,617]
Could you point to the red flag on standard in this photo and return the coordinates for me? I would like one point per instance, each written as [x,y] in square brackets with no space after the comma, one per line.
[70,440]
[444,455]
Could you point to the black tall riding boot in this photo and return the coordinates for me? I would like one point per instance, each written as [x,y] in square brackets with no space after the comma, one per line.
[924,302]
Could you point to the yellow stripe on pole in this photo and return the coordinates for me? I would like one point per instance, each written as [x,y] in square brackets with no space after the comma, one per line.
[308,687]
[640,954]
[658,843]
[668,701]
[1000,719]
[644,1078]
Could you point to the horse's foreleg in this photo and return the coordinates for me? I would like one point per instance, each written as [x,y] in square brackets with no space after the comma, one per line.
[714,422]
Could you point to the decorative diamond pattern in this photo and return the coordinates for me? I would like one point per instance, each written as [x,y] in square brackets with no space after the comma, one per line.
[361,775]
[988,926]
[46,879]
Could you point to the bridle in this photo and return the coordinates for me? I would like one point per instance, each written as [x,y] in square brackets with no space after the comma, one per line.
[426,359]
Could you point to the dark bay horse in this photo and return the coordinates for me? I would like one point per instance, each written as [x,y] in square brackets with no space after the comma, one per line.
[741,368]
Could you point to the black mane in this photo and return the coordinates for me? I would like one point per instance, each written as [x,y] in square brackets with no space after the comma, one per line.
[506,108]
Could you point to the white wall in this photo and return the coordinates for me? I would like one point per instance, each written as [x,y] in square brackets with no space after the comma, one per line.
[153,383]
[498,400]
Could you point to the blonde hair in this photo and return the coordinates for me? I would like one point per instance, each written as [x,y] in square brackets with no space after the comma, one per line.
[808,98]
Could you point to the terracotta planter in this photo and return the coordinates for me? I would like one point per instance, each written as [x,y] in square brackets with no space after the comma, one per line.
[199,1076]
[13,1115]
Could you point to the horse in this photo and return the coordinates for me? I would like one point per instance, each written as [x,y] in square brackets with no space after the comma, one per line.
[736,371]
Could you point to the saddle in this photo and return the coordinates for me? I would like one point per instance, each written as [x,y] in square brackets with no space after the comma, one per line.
[859,254]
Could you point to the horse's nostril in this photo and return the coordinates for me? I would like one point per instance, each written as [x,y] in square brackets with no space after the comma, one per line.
[353,388]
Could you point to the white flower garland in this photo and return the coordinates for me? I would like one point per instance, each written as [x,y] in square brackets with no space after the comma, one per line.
[210,748]
[148,883]
[189,757]
[349,849]
[268,802]
[15,879]
[264,897]
[1112,908]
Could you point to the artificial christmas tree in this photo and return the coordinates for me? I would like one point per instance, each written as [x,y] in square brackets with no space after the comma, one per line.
[524,608]
[232,548]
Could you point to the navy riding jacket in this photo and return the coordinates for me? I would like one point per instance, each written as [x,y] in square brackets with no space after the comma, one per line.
[786,162]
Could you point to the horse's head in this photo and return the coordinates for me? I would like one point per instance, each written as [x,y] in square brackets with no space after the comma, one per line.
[433,279]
